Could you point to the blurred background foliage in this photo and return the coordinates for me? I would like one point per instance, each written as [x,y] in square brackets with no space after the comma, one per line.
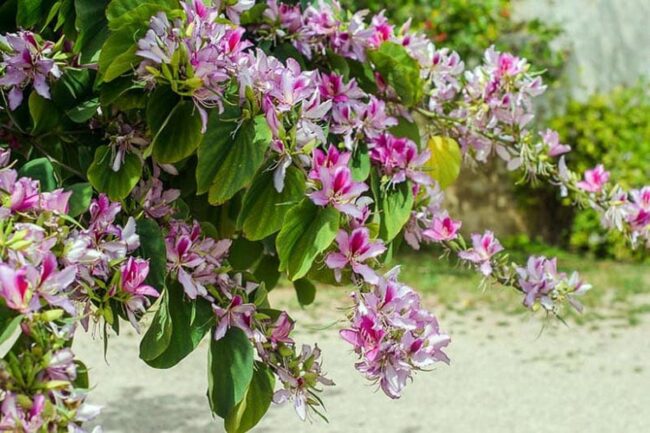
[612,128]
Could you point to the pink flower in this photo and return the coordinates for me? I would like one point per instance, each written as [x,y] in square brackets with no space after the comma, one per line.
[339,190]
[55,201]
[27,63]
[382,31]
[552,141]
[366,336]
[102,215]
[15,418]
[538,279]
[594,179]
[400,159]
[53,283]
[300,379]
[62,366]
[332,159]
[16,291]
[442,229]
[195,259]
[20,195]
[281,330]
[544,285]
[236,314]
[483,248]
[374,118]
[134,272]
[5,157]
[355,249]
[332,87]
[639,210]
[155,201]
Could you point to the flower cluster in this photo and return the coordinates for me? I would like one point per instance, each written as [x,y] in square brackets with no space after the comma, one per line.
[324,25]
[544,286]
[484,247]
[209,51]
[393,335]
[198,262]
[38,390]
[195,260]
[28,61]
[52,275]
[298,370]
[336,184]
[429,221]
[400,159]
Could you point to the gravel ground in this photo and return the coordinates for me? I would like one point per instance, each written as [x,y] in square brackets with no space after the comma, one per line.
[507,374]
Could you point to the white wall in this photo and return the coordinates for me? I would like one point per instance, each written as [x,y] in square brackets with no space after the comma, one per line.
[609,39]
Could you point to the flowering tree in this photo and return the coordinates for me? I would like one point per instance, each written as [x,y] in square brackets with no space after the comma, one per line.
[186,154]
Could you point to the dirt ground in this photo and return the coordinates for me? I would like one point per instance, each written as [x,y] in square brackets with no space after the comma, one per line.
[508,374]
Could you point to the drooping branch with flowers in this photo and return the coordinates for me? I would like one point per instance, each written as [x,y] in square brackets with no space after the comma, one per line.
[179,157]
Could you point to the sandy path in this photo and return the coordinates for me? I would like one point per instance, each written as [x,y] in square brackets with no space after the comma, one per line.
[503,378]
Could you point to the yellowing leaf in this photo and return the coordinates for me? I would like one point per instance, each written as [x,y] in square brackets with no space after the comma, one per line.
[444,164]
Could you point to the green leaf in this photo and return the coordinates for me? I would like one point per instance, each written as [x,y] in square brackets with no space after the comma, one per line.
[157,338]
[360,164]
[264,209]
[259,395]
[82,194]
[84,111]
[364,75]
[175,125]
[408,130]
[82,381]
[126,12]
[400,71]
[307,231]
[445,161]
[189,322]
[267,271]
[244,254]
[8,327]
[338,64]
[31,12]
[40,169]
[305,290]
[395,205]
[74,86]
[254,15]
[93,28]
[117,184]
[118,53]
[152,247]
[161,103]
[115,90]
[8,12]
[230,371]
[229,156]
[45,114]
